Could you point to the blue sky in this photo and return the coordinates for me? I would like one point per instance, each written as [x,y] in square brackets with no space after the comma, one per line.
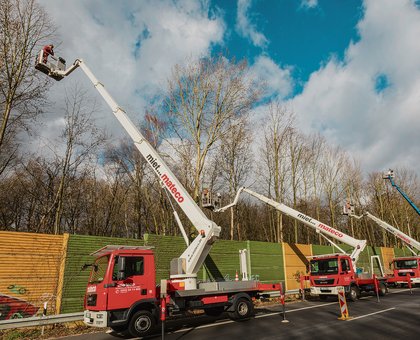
[297,35]
[349,69]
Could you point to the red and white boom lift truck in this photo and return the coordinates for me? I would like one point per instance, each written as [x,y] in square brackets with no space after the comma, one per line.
[327,272]
[122,292]
[401,266]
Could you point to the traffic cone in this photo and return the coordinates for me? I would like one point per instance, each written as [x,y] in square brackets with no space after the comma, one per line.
[236,276]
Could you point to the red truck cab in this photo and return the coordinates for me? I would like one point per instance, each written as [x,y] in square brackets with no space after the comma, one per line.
[122,278]
[406,266]
[328,272]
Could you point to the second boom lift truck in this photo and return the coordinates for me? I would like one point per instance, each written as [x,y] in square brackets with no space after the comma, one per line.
[402,267]
[328,272]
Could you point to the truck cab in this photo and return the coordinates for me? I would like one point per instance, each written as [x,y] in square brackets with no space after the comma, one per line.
[327,272]
[406,266]
[122,279]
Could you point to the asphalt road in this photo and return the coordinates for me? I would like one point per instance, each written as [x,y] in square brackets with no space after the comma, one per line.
[396,316]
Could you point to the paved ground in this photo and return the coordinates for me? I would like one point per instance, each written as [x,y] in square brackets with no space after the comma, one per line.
[396,316]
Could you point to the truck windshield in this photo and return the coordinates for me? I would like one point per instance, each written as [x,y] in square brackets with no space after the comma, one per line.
[324,266]
[99,269]
[406,264]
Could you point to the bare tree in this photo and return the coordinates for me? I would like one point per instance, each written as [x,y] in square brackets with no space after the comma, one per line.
[142,181]
[203,98]
[236,162]
[354,187]
[274,152]
[24,26]
[316,148]
[296,143]
[82,140]
[334,162]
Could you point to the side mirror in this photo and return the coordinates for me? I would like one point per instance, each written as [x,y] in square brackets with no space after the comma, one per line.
[121,268]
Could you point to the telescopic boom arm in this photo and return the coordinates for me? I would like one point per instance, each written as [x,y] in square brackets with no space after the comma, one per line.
[319,227]
[408,241]
[193,257]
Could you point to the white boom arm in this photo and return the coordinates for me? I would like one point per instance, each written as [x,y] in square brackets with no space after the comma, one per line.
[409,242]
[193,257]
[319,227]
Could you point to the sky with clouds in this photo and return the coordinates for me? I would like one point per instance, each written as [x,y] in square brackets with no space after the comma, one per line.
[348,69]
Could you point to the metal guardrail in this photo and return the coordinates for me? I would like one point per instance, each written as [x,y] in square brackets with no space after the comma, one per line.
[41,320]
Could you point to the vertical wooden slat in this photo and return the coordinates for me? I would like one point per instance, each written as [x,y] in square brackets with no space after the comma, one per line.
[61,274]
[387,256]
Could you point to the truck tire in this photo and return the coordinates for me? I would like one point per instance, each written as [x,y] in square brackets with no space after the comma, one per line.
[214,311]
[243,309]
[383,289]
[141,324]
[323,297]
[353,294]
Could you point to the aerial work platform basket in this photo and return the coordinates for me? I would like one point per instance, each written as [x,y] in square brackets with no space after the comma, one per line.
[50,65]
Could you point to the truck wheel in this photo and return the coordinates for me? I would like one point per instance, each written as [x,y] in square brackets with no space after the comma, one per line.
[141,324]
[243,310]
[383,289]
[214,311]
[353,294]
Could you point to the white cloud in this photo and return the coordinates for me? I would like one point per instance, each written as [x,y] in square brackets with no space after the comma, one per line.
[278,80]
[131,46]
[308,4]
[245,28]
[340,98]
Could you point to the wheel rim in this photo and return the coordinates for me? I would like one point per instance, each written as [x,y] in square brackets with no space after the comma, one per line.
[143,324]
[242,308]
[353,294]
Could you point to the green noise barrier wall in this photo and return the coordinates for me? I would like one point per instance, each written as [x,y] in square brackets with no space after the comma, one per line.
[401,252]
[266,261]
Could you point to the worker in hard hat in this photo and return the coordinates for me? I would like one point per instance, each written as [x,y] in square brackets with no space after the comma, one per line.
[48,49]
